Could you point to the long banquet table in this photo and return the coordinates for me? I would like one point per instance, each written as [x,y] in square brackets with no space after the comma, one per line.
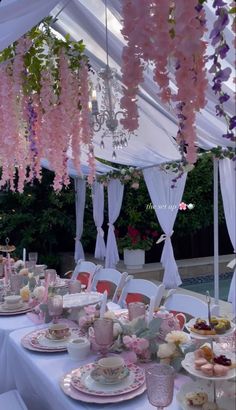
[7,325]
[37,378]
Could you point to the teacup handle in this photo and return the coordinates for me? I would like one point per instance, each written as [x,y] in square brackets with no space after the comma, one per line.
[181,318]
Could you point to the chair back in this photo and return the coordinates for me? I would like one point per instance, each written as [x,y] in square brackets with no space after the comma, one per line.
[141,287]
[84,271]
[103,279]
[188,304]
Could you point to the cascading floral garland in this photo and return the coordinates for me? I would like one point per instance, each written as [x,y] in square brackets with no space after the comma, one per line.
[169,34]
[44,97]
[221,75]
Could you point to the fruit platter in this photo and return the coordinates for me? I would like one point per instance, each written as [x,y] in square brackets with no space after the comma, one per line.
[201,328]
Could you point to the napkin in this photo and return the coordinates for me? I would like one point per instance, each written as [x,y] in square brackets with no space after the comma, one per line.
[103,304]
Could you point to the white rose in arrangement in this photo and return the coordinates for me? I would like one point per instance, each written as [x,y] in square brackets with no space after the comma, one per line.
[177,337]
[24,272]
[39,292]
[117,330]
[110,315]
[123,171]
[166,350]
[131,169]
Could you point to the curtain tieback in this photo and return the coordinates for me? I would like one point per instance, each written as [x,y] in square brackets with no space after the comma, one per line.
[111,226]
[232,263]
[100,231]
[163,237]
[77,238]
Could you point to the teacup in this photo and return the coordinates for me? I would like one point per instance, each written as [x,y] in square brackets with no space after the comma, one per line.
[78,348]
[12,299]
[59,331]
[110,367]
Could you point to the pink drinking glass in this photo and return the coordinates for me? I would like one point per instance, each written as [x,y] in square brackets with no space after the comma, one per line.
[55,307]
[103,333]
[136,309]
[160,385]
[50,276]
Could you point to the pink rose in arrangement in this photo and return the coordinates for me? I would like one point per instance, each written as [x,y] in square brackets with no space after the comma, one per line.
[137,344]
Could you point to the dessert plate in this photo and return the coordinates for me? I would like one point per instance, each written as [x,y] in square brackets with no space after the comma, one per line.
[225,392]
[188,364]
[197,336]
[23,308]
[82,381]
[78,300]
[99,378]
[69,390]
[38,342]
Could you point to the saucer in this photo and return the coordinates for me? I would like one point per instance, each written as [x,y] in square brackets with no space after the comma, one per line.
[56,339]
[12,306]
[99,378]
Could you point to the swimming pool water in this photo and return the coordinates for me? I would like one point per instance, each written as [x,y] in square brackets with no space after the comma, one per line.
[204,283]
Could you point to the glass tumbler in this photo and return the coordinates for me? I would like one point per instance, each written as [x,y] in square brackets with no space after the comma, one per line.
[160,385]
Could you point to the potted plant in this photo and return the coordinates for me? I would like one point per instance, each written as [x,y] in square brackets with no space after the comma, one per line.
[134,244]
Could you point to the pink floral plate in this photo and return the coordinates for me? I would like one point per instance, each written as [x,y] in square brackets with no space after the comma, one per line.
[82,381]
[38,342]
[18,311]
[69,390]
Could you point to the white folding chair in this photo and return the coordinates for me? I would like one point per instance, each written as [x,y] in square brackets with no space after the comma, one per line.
[84,267]
[188,304]
[143,287]
[11,400]
[112,276]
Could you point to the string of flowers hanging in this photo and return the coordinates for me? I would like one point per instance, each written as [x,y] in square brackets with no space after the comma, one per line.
[221,49]
[44,97]
[168,35]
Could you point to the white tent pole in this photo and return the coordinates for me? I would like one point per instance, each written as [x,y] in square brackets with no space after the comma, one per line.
[216,231]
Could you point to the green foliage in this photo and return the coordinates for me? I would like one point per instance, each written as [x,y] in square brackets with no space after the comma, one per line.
[44,53]
[39,220]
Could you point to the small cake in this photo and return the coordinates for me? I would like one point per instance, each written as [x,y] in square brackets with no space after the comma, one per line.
[207,369]
[210,406]
[220,370]
[199,354]
[199,363]
[196,398]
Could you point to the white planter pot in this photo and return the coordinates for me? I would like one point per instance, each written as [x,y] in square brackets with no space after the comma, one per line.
[134,259]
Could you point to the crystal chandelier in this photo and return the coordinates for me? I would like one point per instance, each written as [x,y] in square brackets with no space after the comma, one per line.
[105,117]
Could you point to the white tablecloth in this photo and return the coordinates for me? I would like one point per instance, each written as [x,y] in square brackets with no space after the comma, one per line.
[37,376]
[7,325]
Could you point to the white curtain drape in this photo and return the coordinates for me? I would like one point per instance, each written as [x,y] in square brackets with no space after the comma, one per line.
[228,190]
[115,196]
[98,216]
[19,16]
[80,191]
[165,201]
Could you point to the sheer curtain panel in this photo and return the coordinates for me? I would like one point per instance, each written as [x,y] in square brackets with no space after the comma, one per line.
[228,190]
[98,216]
[115,196]
[165,201]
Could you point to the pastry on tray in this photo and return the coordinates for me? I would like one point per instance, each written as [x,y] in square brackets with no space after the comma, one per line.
[218,326]
[210,405]
[196,399]
[202,328]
